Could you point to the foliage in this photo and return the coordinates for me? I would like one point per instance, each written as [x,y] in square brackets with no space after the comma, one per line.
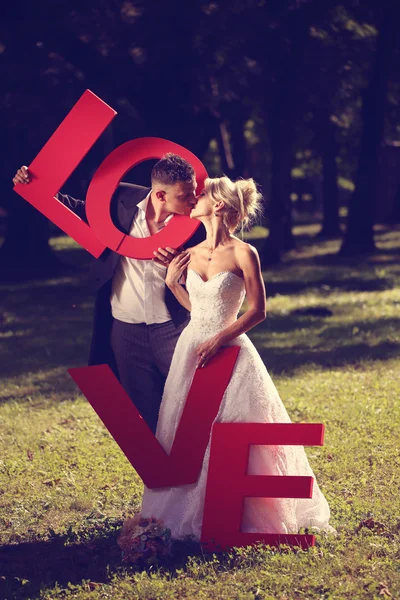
[249,86]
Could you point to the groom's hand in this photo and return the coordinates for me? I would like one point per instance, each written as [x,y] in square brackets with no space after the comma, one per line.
[163,256]
[21,176]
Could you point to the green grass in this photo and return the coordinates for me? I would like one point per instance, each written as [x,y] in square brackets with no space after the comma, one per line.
[331,343]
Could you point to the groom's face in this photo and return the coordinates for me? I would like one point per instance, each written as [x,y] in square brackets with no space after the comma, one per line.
[180,197]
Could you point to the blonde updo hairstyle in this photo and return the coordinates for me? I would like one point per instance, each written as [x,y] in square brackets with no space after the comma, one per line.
[242,200]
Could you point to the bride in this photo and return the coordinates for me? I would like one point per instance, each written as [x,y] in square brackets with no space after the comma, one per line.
[218,274]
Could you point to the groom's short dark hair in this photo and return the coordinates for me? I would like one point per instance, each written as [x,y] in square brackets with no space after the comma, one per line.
[171,169]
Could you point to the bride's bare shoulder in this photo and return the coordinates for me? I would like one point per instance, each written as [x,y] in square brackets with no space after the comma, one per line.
[243,248]
[246,256]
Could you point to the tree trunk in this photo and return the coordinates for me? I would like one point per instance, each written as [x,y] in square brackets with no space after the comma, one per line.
[395,216]
[280,237]
[225,148]
[328,146]
[25,250]
[359,236]
[237,115]
[282,131]
[231,141]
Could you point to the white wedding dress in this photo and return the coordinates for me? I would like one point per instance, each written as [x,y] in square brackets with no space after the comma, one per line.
[250,397]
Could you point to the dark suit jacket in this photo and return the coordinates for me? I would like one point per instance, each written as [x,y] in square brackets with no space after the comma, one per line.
[123,209]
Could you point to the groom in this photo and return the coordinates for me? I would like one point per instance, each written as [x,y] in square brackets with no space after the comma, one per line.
[137,319]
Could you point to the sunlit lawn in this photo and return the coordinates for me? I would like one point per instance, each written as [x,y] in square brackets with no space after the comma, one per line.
[331,342]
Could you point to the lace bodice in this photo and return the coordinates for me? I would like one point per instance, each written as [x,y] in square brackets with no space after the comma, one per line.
[215,302]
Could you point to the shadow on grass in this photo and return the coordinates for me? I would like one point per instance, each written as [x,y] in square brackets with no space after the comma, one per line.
[47,326]
[326,344]
[349,284]
[30,567]
[66,262]
[314,317]
[56,385]
[380,257]
[44,325]
[287,360]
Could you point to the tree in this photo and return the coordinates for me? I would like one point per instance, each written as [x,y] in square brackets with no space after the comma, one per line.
[48,68]
[359,236]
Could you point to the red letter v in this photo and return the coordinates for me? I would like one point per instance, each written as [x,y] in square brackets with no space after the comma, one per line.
[134,437]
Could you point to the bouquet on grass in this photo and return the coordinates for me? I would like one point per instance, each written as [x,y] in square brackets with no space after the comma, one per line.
[144,539]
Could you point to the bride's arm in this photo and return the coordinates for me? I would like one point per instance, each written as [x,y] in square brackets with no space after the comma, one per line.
[249,263]
[175,271]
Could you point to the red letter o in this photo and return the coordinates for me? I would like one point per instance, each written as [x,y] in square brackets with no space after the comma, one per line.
[105,182]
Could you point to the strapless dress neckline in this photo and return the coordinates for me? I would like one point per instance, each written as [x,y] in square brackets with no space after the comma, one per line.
[216,275]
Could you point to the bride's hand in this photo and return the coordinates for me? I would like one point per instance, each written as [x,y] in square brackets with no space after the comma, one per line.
[176,268]
[207,350]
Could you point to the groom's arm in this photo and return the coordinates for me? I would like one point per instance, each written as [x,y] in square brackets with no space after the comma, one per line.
[77,206]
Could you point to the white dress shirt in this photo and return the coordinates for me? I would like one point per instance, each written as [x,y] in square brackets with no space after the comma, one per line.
[138,286]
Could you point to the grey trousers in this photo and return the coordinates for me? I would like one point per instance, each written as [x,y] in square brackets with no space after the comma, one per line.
[143,355]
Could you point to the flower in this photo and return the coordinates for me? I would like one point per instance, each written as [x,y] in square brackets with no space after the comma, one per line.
[144,539]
